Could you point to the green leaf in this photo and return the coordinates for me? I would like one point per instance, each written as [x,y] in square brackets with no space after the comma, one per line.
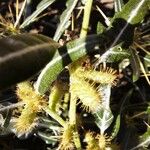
[135,65]
[118,4]
[125,100]
[78,48]
[22,56]
[116,128]
[123,25]
[115,54]
[144,140]
[124,22]
[49,139]
[64,56]
[64,19]
[100,28]
[73,51]
[144,145]
[146,135]
[146,59]
[5,118]
[104,117]
[134,11]
[41,6]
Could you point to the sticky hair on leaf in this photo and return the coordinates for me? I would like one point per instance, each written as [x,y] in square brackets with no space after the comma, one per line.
[8,26]
[67,138]
[103,141]
[90,98]
[104,76]
[33,104]
[26,93]
[26,121]
[24,90]
[92,143]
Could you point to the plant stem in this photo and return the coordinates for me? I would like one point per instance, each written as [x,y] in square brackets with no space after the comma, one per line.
[20,14]
[72,110]
[55,96]
[55,116]
[86,18]
[76,139]
[12,106]
[72,121]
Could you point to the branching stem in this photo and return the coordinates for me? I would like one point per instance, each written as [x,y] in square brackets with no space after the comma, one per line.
[86,18]
[55,116]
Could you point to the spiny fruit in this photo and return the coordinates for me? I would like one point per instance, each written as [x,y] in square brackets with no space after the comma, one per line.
[104,76]
[103,141]
[86,92]
[92,143]
[33,104]
[67,138]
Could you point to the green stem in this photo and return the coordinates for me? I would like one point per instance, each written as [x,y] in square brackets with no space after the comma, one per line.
[72,110]
[76,139]
[86,18]
[72,121]
[55,116]
[55,96]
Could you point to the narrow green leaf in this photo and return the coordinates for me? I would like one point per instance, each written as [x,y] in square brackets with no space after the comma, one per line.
[134,11]
[145,136]
[100,28]
[104,116]
[44,3]
[5,118]
[118,4]
[116,128]
[125,100]
[65,55]
[41,6]
[64,19]
[49,139]
[146,59]
[115,54]
[22,56]
[71,52]
[124,22]
[78,48]
[144,145]
[135,65]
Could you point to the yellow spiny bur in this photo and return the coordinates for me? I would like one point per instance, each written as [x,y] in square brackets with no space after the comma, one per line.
[104,76]
[92,143]
[26,93]
[88,95]
[67,138]
[25,122]
[33,104]
[8,26]
[103,141]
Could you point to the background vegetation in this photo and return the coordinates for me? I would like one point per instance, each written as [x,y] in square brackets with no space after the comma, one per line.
[75,74]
